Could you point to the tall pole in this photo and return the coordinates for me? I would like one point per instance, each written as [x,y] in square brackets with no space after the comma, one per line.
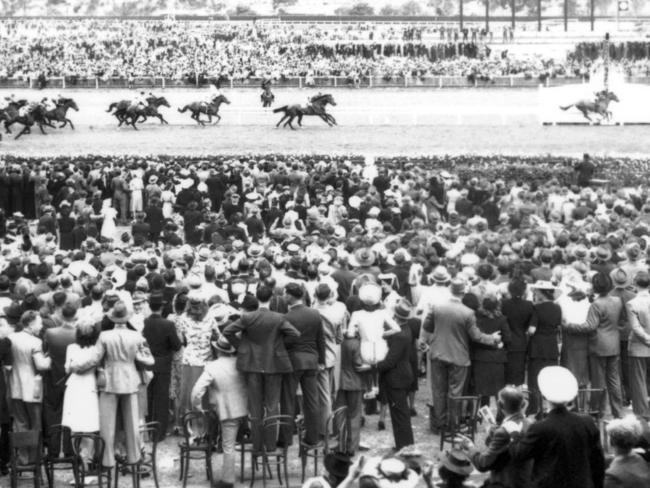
[461,16]
[512,11]
[539,15]
[592,17]
[566,15]
[606,62]
[487,16]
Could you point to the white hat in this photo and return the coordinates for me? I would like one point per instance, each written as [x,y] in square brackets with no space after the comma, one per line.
[354,201]
[370,294]
[557,384]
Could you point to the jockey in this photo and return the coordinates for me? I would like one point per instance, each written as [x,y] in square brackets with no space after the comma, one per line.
[139,101]
[48,103]
[214,91]
[6,101]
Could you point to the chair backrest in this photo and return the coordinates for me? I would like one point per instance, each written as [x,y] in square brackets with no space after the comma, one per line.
[29,439]
[63,432]
[196,425]
[337,422]
[277,422]
[589,401]
[463,410]
[149,433]
[97,451]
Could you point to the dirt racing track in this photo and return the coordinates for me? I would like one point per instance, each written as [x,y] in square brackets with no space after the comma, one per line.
[371,121]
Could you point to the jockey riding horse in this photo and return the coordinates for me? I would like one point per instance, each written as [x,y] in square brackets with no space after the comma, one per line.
[599,106]
[316,106]
[267,95]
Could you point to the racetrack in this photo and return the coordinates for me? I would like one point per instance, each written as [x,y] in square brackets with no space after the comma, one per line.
[371,121]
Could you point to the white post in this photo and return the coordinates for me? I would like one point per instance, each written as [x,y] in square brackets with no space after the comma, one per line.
[406,81]
[63,82]
[335,82]
[96,83]
[300,82]
[439,81]
[512,81]
[163,83]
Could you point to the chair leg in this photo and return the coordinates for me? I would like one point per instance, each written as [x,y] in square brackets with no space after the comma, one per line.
[242,459]
[208,463]
[253,468]
[182,465]
[117,474]
[265,466]
[303,466]
[154,468]
[316,462]
[286,469]
[187,468]
[37,477]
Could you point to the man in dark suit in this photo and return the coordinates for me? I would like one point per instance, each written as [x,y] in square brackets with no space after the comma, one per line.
[307,354]
[155,219]
[565,446]
[263,358]
[140,229]
[163,341]
[496,456]
[55,342]
[396,376]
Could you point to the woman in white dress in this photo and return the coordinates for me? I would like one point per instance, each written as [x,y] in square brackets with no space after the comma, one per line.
[168,198]
[81,401]
[109,214]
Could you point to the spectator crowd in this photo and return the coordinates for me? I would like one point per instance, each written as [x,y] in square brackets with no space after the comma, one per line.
[184,50]
[141,289]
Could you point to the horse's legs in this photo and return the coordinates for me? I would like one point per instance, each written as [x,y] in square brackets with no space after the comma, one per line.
[40,126]
[162,119]
[24,131]
[70,122]
[7,125]
[585,113]
[285,116]
[332,119]
[291,120]
[218,118]
[324,118]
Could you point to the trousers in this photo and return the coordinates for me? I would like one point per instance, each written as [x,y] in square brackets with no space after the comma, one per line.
[605,373]
[353,400]
[263,400]
[639,386]
[400,416]
[308,381]
[27,416]
[516,368]
[52,414]
[446,380]
[325,394]
[158,401]
[109,403]
[229,428]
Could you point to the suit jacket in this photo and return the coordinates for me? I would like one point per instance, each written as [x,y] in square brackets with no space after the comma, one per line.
[27,361]
[227,388]
[603,319]
[155,219]
[351,364]
[547,320]
[5,360]
[565,449]
[163,341]
[55,343]
[638,314]
[453,325]
[496,458]
[262,348]
[308,350]
[118,348]
[519,314]
[395,369]
[628,471]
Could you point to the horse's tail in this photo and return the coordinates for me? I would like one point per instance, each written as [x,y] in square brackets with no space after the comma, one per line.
[280,109]
[567,107]
[184,109]
[112,106]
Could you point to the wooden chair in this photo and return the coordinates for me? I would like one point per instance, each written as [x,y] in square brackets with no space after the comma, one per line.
[197,443]
[149,432]
[30,440]
[462,416]
[245,446]
[590,401]
[275,422]
[337,425]
[60,462]
[92,466]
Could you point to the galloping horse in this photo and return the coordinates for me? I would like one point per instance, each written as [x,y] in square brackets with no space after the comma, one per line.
[35,115]
[267,95]
[59,114]
[599,107]
[122,110]
[316,107]
[11,113]
[198,108]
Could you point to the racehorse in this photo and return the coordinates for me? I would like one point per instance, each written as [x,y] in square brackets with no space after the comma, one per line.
[267,95]
[34,115]
[317,107]
[59,114]
[198,108]
[122,110]
[600,106]
[11,113]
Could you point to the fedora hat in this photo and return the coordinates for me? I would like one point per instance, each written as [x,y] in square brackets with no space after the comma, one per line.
[602,253]
[13,311]
[458,286]
[119,314]
[457,462]
[365,257]
[557,384]
[580,252]
[633,251]
[370,294]
[440,275]
[543,285]
[255,250]
[222,345]
[403,310]
[139,297]
[619,277]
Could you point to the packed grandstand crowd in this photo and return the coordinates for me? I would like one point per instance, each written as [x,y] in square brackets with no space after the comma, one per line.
[372,248]
[104,48]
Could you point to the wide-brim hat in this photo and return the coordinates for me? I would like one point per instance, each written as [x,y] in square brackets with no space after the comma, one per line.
[119,314]
[602,253]
[619,277]
[543,285]
[370,294]
[441,275]
[255,250]
[580,252]
[223,345]
[457,462]
[365,257]
[557,384]
[403,310]
[118,278]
